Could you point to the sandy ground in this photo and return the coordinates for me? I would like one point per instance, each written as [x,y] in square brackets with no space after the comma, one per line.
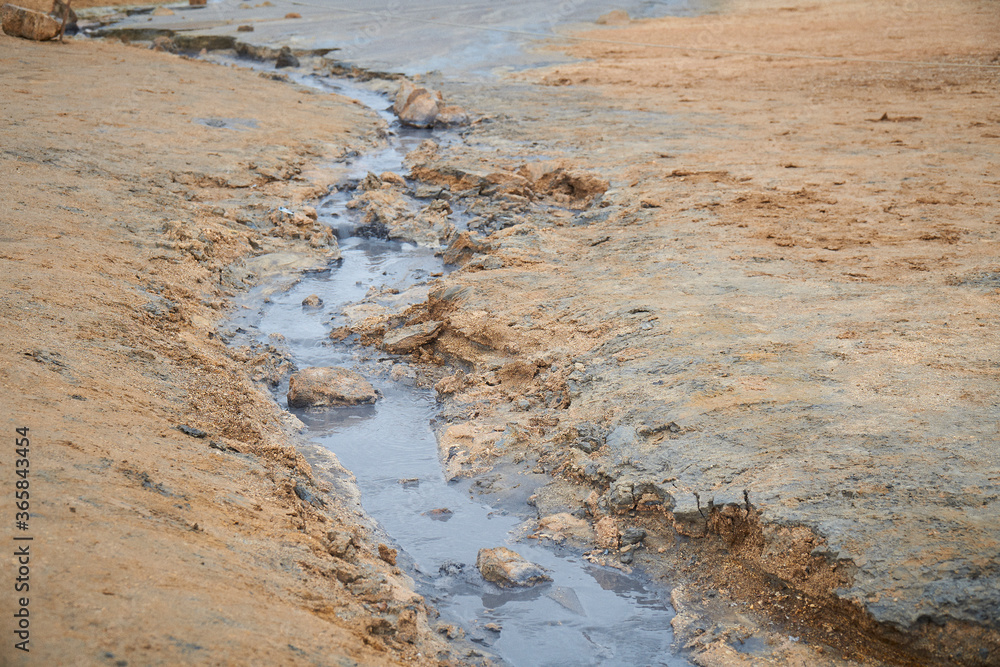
[788,295]
[752,307]
[122,206]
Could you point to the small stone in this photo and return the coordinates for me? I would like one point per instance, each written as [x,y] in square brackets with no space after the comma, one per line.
[28,24]
[626,558]
[192,431]
[387,554]
[286,58]
[341,544]
[312,301]
[392,178]
[163,11]
[451,115]
[293,15]
[164,44]
[607,533]
[328,386]
[244,28]
[508,569]
[633,535]
[407,339]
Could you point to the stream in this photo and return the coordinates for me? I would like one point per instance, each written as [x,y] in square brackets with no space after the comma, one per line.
[587,615]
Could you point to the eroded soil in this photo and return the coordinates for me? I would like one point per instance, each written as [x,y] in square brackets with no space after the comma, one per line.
[778,323]
[132,182]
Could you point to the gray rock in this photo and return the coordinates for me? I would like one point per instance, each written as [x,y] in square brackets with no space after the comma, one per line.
[328,386]
[312,301]
[509,569]
[407,339]
[620,496]
[633,535]
[28,24]
[286,58]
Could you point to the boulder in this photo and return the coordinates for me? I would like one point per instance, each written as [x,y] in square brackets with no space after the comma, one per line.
[328,386]
[286,58]
[415,105]
[407,339]
[28,24]
[508,569]
[419,106]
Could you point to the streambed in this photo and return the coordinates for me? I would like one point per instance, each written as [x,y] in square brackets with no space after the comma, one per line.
[588,614]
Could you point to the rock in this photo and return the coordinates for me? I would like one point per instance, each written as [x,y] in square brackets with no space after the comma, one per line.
[296,15]
[633,535]
[418,106]
[607,533]
[462,249]
[163,11]
[407,339]
[244,28]
[312,301]
[415,105]
[164,44]
[286,58]
[620,496]
[192,431]
[508,569]
[28,24]
[451,115]
[342,544]
[387,554]
[392,178]
[328,386]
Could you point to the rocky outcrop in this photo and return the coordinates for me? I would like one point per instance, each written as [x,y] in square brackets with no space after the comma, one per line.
[407,339]
[508,569]
[28,24]
[329,386]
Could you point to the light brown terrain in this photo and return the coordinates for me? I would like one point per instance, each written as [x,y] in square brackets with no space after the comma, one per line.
[788,296]
[766,289]
[120,209]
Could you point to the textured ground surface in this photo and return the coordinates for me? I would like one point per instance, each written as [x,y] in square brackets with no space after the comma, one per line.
[121,205]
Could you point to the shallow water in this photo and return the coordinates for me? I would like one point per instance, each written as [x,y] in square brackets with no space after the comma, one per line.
[588,615]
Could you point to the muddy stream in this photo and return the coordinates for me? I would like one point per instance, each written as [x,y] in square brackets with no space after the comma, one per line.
[587,615]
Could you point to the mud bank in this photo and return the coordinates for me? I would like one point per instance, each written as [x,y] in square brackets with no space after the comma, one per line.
[769,336]
[173,522]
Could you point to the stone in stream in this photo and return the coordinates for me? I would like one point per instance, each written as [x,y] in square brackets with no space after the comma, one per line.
[286,58]
[415,105]
[28,24]
[312,301]
[633,535]
[508,569]
[419,106]
[407,339]
[328,386]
